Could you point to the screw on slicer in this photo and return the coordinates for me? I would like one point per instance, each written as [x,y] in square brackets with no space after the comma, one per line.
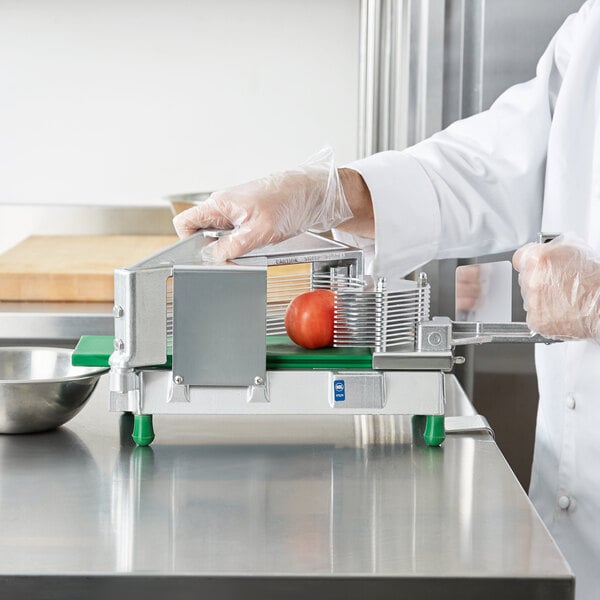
[178,379]
[118,344]
[258,380]
[118,311]
[434,338]
[459,360]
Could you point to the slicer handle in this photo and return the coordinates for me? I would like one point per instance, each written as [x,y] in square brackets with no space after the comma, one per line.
[465,333]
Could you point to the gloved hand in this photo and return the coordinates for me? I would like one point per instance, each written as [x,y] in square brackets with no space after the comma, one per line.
[468,288]
[271,209]
[560,284]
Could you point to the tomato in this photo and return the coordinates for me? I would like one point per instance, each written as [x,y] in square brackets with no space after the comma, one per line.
[309,319]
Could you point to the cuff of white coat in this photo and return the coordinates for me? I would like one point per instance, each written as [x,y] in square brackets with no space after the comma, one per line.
[407,214]
[367,245]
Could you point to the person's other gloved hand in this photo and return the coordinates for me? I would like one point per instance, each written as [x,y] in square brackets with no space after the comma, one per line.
[271,209]
[468,288]
[560,285]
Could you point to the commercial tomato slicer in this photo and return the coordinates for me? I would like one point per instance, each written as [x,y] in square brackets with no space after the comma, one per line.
[193,337]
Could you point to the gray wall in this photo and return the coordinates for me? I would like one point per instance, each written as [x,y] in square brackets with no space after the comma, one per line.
[516,34]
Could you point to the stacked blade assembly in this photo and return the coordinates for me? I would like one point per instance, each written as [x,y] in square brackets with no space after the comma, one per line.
[380,318]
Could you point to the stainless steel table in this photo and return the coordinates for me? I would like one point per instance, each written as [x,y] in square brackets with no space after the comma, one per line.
[53,322]
[259,507]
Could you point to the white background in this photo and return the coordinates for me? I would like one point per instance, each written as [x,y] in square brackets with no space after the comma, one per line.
[124,101]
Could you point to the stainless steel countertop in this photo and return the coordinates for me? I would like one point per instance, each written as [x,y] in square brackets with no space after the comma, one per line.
[276,507]
[63,322]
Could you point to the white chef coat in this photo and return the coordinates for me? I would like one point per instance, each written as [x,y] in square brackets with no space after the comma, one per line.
[488,184]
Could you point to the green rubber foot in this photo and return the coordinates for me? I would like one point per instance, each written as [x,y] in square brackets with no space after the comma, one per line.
[143,432]
[435,432]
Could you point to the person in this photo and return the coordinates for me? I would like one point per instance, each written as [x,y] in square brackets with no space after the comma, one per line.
[484,185]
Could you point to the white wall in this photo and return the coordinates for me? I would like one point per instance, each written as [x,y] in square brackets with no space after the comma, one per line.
[124,101]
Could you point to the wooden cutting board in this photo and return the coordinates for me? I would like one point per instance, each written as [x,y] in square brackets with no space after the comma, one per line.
[72,268]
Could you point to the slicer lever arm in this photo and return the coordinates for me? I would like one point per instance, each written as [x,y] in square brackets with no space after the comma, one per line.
[464,333]
[441,334]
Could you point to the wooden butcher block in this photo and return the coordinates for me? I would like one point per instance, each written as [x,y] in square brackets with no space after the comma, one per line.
[72,268]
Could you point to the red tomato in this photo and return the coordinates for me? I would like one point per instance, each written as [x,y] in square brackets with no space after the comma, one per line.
[309,319]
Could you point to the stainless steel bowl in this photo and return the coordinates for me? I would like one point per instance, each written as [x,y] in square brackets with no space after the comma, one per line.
[40,389]
[181,202]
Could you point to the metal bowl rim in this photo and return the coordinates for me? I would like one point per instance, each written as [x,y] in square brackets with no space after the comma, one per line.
[92,372]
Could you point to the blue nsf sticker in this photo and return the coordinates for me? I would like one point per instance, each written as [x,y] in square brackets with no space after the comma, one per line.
[339,390]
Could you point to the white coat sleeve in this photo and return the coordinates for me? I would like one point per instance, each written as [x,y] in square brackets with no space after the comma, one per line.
[477,187]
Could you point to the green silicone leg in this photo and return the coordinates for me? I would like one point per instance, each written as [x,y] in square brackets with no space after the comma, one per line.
[143,432]
[435,432]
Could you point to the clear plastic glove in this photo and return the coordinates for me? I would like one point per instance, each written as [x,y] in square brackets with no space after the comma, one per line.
[271,209]
[468,288]
[560,285]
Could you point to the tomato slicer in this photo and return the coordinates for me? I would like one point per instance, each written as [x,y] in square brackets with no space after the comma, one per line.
[193,337]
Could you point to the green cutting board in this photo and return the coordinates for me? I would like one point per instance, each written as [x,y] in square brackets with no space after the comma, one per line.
[282,354]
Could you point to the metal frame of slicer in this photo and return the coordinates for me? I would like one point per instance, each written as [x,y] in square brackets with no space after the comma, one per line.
[191,338]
